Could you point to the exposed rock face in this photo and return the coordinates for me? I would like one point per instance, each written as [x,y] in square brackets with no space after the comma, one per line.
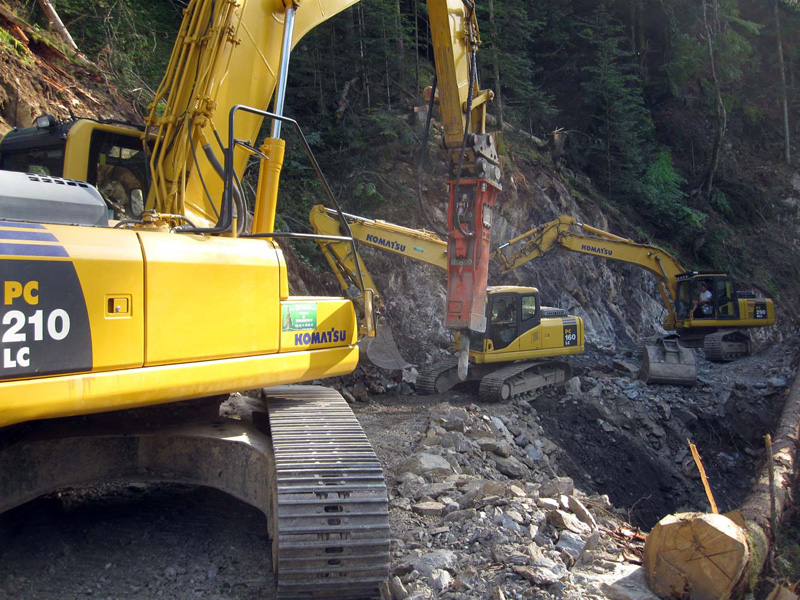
[619,303]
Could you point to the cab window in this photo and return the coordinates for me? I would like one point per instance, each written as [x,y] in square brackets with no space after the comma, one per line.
[41,161]
[684,304]
[503,321]
[723,293]
[529,309]
[117,166]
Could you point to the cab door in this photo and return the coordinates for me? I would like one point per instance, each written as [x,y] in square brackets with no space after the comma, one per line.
[503,320]
[727,308]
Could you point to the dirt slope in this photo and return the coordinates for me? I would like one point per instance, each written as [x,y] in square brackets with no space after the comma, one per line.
[37,76]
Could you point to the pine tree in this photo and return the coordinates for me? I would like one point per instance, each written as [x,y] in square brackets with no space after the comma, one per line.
[618,121]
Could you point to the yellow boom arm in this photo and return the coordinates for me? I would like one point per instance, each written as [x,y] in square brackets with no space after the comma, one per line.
[227,53]
[417,244]
[561,232]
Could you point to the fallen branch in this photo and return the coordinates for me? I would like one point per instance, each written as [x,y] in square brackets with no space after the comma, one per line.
[700,556]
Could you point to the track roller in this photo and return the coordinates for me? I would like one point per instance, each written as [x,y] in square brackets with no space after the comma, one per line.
[727,345]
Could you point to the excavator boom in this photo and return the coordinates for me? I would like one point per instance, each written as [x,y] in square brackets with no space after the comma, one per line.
[183,298]
[714,324]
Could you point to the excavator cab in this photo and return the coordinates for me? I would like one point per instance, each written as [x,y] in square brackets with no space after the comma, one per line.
[706,296]
[520,328]
[106,154]
[513,358]
[509,315]
[711,313]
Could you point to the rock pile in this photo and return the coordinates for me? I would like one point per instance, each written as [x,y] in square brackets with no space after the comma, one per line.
[478,512]
[480,504]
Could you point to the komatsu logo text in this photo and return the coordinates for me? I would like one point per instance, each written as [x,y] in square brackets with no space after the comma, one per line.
[320,337]
[390,244]
[597,250]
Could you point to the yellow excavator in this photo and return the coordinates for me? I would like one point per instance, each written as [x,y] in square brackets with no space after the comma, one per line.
[510,359]
[704,308]
[130,312]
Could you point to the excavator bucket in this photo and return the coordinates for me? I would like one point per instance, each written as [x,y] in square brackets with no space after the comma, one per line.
[382,351]
[667,362]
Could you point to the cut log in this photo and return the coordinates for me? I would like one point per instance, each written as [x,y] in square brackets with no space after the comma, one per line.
[696,556]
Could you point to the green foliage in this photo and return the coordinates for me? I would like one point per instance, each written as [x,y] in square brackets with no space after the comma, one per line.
[365,196]
[132,38]
[664,199]
[619,123]
[689,42]
[688,60]
[12,44]
[720,201]
[516,27]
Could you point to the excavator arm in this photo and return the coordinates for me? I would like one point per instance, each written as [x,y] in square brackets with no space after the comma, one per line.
[716,329]
[570,234]
[416,244]
[474,179]
[227,53]
[230,52]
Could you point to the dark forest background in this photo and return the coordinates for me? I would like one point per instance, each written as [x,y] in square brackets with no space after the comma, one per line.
[678,117]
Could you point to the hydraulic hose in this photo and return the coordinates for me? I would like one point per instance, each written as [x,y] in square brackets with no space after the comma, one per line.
[423,154]
[473,75]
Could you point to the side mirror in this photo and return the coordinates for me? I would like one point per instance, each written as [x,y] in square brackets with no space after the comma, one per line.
[369,312]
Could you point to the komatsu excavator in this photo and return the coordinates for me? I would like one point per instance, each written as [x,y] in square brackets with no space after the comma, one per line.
[704,308]
[117,331]
[511,359]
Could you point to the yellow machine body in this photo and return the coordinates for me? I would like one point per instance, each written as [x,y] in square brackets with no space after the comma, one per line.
[104,319]
[528,332]
[158,316]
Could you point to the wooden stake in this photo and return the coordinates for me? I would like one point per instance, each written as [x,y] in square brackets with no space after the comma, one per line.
[702,470]
[773,511]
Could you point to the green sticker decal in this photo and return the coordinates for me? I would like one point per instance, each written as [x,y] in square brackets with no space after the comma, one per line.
[299,317]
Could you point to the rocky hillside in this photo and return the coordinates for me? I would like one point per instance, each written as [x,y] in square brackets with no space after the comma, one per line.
[619,303]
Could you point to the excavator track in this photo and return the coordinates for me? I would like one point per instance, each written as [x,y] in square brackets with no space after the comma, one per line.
[330,510]
[438,377]
[521,380]
[727,345]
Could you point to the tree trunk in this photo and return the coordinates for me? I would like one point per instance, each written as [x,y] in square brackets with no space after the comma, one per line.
[398,31]
[641,42]
[786,148]
[57,24]
[387,76]
[721,114]
[498,94]
[416,47]
[363,55]
[717,556]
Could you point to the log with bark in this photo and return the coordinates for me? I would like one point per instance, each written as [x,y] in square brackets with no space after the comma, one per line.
[697,556]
